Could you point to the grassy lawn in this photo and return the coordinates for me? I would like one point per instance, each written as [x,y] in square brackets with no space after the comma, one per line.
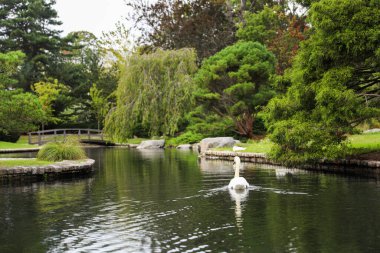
[22,162]
[359,143]
[364,143]
[136,140]
[21,143]
[262,146]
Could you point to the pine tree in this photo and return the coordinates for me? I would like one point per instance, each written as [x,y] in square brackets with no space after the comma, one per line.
[28,26]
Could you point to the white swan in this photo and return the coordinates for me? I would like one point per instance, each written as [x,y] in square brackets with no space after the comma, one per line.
[238,183]
[237,148]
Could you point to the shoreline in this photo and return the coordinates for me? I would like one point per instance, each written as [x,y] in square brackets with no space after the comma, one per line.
[340,166]
[57,169]
[19,150]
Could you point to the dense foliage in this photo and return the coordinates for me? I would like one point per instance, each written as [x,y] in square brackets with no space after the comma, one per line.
[19,112]
[9,64]
[279,31]
[29,26]
[235,83]
[32,50]
[153,94]
[335,82]
[203,25]
[317,61]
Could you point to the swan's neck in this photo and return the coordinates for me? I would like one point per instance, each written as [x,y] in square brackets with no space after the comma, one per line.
[237,168]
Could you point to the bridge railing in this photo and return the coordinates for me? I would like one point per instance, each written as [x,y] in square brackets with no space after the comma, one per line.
[52,135]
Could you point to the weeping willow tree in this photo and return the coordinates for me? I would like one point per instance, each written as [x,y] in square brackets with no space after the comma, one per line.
[154,92]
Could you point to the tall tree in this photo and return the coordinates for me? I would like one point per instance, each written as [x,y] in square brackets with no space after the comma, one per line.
[173,24]
[29,26]
[82,64]
[335,82]
[154,93]
[235,83]
[278,29]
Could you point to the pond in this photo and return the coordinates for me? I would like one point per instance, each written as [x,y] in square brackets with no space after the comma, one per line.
[169,201]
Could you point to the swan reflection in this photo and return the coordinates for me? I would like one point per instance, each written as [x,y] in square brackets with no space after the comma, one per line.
[239,196]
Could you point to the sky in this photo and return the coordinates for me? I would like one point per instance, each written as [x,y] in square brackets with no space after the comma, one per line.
[90,15]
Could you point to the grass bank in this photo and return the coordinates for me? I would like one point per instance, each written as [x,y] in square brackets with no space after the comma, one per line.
[21,143]
[364,143]
[358,144]
[262,146]
[22,162]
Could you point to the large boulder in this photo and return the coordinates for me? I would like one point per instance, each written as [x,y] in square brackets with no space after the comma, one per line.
[184,146]
[373,130]
[152,144]
[216,142]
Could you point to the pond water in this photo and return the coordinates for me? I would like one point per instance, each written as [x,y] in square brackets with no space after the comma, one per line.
[169,201]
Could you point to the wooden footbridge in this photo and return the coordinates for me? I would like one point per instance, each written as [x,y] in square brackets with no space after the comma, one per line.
[92,136]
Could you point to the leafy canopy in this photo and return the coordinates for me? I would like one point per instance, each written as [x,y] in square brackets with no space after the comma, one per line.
[204,25]
[154,92]
[99,104]
[48,93]
[9,66]
[19,112]
[278,29]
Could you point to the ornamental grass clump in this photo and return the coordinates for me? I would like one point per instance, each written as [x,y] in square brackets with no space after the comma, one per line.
[59,151]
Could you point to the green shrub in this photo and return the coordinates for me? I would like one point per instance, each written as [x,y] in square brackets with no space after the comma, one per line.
[58,151]
[185,138]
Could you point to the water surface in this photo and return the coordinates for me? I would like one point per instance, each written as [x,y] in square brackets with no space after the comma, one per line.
[169,201]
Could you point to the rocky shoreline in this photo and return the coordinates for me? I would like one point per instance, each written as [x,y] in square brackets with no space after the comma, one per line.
[345,166]
[19,150]
[57,169]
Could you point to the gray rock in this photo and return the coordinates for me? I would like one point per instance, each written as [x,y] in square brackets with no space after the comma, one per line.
[133,145]
[216,142]
[374,130]
[195,147]
[184,146]
[152,144]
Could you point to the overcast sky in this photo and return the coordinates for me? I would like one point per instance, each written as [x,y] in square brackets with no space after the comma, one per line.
[90,15]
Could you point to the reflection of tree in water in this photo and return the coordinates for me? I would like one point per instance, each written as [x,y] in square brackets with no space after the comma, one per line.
[32,210]
[217,166]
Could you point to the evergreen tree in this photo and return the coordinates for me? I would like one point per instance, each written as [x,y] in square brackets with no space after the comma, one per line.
[9,64]
[335,82]
[234,84]
[29,26]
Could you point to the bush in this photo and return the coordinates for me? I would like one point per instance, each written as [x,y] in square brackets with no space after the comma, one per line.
[20,112]
[10,137]
[185,138]
[58,151]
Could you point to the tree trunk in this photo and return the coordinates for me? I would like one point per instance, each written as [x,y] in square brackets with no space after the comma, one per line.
[245,125]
